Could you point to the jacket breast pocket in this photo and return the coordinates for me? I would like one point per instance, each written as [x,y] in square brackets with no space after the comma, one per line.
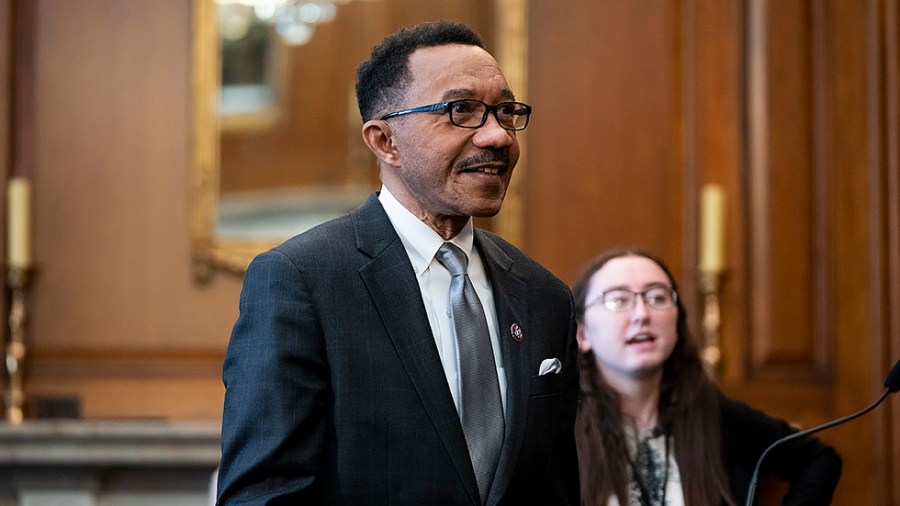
[547,384]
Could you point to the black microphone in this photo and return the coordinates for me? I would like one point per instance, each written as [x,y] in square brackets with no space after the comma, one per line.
[891,385]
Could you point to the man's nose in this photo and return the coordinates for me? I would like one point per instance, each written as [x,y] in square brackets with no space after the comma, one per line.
[492,135]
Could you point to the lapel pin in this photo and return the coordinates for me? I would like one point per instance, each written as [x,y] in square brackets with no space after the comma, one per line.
[516,332]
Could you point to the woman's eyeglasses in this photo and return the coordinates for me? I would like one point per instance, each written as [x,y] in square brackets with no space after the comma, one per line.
[621,299]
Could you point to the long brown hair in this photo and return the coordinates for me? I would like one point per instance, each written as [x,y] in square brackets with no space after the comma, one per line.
[688,411]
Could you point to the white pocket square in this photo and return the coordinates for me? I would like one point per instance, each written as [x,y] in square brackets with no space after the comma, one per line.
[550,366]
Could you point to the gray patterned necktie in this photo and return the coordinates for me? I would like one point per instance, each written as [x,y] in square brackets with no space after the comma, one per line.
[482,410]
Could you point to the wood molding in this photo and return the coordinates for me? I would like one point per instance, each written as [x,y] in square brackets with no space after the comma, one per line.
[883,69]
[141,384]
[787,193]
[63,364]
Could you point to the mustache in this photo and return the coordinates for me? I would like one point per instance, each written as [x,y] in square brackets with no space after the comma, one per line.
[487,156]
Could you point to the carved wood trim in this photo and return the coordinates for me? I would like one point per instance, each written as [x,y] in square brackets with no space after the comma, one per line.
[788,193]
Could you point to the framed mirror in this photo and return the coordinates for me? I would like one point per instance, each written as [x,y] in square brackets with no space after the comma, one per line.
[277,142]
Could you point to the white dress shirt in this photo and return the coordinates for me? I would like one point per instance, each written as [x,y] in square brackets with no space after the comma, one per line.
[422,243]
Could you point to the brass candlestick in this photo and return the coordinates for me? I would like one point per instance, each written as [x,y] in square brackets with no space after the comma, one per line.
[17,279]
[710,282]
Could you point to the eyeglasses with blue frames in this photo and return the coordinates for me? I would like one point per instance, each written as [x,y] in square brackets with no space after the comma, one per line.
[473,113]
[621,299]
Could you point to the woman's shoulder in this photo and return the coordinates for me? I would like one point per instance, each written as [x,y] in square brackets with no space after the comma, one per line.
[811,467]
[738,416]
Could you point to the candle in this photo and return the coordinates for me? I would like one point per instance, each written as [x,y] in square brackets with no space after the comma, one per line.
[19,223]
[712,228]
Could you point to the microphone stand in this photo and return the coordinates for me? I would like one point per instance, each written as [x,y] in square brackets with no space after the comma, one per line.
[752,491]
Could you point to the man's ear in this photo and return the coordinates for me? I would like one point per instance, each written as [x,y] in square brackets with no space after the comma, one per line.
[378,135]
[583,344]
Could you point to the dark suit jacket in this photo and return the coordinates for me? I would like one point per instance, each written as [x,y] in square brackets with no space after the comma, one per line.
[810,467]
[335,393]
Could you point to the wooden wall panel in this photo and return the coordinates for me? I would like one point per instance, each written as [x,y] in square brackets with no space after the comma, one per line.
[888,167]
[133,385]
[804,167]
[603,143]
[785,190]
[105,137]
[881,303]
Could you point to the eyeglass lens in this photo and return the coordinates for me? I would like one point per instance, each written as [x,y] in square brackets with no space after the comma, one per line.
[622,300]
[473,114]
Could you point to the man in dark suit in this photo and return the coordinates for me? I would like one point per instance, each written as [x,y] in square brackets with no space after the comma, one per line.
[346,374]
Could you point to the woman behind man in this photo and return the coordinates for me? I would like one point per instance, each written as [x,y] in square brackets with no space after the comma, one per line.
[652,428]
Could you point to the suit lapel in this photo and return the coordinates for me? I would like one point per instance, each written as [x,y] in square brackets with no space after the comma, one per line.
[512,309]
[389,278]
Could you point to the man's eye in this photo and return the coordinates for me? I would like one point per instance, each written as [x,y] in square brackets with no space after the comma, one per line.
[462,108]
[506,110]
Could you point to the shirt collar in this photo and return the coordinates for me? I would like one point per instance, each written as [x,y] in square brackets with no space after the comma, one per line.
[420,240]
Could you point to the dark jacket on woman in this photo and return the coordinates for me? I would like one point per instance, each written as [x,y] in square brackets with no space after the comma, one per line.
[811,468]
